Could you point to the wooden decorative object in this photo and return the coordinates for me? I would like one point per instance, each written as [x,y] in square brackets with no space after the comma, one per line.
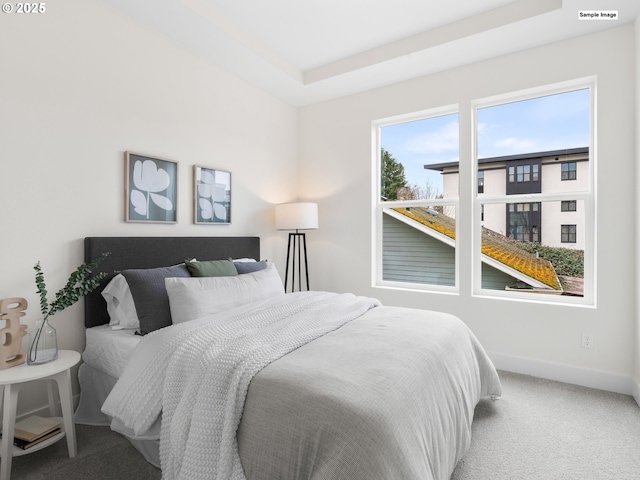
[11,354]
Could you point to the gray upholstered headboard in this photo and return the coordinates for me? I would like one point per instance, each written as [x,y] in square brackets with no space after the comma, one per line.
[150,252]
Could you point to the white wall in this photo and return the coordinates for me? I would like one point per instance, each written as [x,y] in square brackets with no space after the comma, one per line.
[495,215]
[636,386]
[79,85]
[542,339]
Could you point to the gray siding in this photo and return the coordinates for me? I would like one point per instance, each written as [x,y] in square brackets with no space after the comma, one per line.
[409,255]
[494,279]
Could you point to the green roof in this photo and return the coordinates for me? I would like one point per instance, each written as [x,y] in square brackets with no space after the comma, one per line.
[494,245]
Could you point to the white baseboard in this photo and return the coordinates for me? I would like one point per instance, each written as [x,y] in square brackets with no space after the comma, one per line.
[585,377]
[635,386]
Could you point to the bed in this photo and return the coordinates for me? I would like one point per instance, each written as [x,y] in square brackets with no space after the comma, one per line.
[249,382]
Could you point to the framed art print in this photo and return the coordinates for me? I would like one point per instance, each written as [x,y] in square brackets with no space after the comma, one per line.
[212,196]
[151,186]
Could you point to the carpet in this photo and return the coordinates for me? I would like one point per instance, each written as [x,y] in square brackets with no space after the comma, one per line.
[546,430]
[102,455]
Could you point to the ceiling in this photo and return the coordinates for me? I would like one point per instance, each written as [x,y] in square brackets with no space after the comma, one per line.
[308,51]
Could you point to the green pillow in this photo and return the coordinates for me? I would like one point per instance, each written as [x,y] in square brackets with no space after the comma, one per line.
[211,268]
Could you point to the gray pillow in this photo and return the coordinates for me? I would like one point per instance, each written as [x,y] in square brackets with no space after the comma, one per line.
[150,295]
[250,267]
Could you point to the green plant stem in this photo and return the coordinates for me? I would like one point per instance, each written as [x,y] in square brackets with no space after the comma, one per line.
[33,348]
[78,285]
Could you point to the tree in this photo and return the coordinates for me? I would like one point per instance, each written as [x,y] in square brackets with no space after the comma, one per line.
[426,192]
[393,177]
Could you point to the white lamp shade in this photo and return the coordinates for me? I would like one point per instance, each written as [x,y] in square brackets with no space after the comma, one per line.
[297,216]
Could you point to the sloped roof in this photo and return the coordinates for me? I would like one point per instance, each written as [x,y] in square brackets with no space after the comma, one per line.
[494,245]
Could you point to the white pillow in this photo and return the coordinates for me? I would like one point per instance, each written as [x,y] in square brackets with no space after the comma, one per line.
[120,305]
[196,297]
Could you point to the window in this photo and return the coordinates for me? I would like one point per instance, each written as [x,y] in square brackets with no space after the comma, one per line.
[416,226]
[533,137]
[523,147]
[569,171]
[523,220]
[568,234]
[523,173]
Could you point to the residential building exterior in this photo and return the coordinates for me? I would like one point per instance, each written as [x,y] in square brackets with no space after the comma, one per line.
[419,247]
[551,223]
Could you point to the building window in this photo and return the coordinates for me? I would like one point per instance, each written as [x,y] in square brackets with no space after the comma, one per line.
[568,206]
[568,233]
[523,173]
[480,181]
[568,171]
[523,220]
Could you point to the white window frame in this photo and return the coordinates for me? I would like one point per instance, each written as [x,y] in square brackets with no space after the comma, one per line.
[588,197]
[469,203]
[379,206]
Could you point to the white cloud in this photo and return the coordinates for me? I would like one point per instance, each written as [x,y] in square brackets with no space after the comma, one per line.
[516,144]
[444,139]
[485,128]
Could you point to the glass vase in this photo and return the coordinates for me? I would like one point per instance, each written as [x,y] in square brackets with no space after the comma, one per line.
[43,344]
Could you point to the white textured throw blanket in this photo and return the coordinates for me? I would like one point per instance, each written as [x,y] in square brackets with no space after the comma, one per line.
[197,373]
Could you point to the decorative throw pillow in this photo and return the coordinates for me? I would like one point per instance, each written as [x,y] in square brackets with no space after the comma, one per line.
[211,268]
[249,267]
[192,298]
[150,295]
[120,305]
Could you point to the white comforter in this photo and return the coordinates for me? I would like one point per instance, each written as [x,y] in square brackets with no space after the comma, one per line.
[197,374]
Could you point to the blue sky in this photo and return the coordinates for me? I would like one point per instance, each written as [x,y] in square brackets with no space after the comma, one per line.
[545,123]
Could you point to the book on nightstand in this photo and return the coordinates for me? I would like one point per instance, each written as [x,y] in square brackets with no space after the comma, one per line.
[24,445]
[34,429]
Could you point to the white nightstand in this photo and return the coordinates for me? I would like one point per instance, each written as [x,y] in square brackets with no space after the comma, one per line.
[12,380]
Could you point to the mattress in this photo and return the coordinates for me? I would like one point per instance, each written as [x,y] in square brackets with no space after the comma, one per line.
[109,350]
[105,357]
[95,386]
